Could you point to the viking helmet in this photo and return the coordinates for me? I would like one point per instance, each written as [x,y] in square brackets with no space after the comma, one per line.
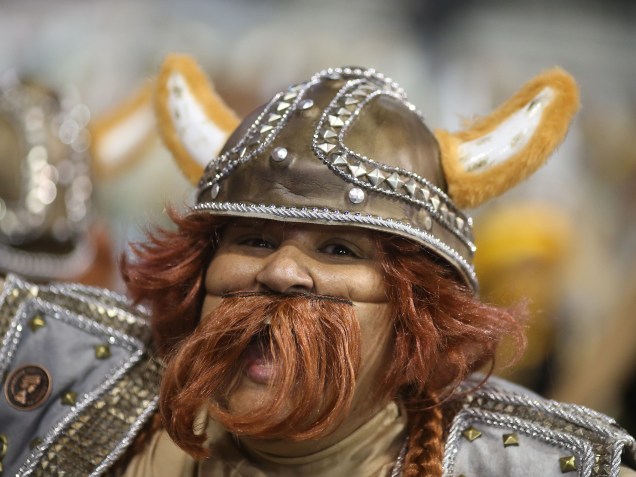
[347,148]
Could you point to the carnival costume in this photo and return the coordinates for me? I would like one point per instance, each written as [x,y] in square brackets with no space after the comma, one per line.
[344,148]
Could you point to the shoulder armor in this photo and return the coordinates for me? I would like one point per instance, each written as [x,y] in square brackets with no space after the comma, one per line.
[78,378]
[503,429]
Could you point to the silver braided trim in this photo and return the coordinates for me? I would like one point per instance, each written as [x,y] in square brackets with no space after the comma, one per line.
[86,294]
[327,215]
[579,415]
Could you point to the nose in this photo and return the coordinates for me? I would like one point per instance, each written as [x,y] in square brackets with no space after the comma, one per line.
[286,270]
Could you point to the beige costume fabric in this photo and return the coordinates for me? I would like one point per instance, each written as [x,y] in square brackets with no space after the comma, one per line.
[369,451]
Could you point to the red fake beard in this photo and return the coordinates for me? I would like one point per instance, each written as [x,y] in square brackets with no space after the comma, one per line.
[305,349]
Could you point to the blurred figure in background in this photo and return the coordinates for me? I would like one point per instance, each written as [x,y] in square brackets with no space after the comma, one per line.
[46,226]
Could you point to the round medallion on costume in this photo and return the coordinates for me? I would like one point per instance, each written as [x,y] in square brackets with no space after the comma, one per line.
[28,387]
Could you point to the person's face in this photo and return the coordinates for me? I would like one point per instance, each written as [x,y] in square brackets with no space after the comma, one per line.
[261,256]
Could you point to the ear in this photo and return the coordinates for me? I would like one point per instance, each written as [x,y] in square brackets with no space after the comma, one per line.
[194,122]
[122,136]
[500,150]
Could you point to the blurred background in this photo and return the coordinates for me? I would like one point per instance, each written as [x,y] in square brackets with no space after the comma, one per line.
[567,236]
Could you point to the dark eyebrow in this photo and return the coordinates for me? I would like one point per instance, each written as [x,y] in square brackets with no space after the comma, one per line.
[248,222]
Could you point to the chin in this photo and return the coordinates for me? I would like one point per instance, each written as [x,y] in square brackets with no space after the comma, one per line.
[248,396]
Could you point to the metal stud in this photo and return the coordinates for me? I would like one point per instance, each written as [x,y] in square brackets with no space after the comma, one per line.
[444,210]
[244,151]
[214,192]
[350,100]
[471,434]
[411,187]
[4,445]
[102,351]
[282,106]
[306,104]
[69,398]
[344,112]
[335,121]
[356,195]
[510,439]
[395,181]
[326,147]
[339,160]
[265,128]
[35,442]
[273,118]
[290,95]
[568,464]
[279,154]
[435,202]
[358,170]
[376,177]
[36,323]
[329,134]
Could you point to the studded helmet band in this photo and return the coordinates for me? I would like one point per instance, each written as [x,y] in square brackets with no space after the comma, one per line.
[347,148]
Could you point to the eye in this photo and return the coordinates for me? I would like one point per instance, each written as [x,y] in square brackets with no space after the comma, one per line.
[257,242]
[339,250]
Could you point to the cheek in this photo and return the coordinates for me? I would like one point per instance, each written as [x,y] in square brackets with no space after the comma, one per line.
[226,273]
[362,284]
[376,330]
[229,272]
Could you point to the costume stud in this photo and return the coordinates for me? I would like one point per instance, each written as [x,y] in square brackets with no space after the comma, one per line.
[214,192]
[356,195]
[471,434]
[68,398]
[510,439]
[279,154]
[568,464]
[306,104]
[36,323]
[102,351]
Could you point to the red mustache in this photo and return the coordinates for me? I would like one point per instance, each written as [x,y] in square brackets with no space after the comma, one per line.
[314,343]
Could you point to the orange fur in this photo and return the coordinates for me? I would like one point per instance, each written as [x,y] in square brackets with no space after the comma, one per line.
[469,189]
[201,88]
[103,126]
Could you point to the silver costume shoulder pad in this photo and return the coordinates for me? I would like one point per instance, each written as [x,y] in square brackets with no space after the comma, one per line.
[504,429]
[79,378]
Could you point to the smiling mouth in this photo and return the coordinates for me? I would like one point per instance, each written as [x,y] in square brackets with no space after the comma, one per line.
[258,364]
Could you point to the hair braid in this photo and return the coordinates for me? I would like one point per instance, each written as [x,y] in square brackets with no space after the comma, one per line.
[425,445]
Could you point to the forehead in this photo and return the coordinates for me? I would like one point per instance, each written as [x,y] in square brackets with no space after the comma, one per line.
[256,224]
